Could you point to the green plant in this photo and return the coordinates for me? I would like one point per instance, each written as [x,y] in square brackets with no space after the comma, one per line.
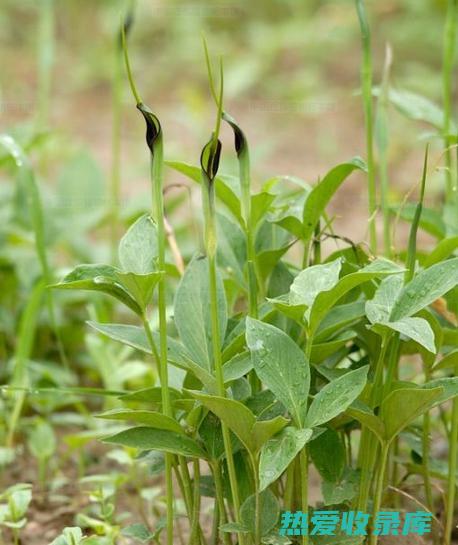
[13,513]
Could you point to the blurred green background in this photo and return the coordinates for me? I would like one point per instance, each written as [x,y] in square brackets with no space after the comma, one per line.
[291,80]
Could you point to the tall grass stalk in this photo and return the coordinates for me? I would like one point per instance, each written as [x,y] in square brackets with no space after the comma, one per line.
[447,89]
[382,139]
[45,50]
[209,166]
[155,144]
[366,84]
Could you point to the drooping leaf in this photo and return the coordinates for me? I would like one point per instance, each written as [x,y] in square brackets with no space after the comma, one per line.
[146,438]
[281,365]
[99,278]
[336,396]
[192,312]
[279,452]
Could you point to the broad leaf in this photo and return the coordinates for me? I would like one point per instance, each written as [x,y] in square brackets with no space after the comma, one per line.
[279,452]
[138,247]
[192,312]
[335,397]
[416,329]
[312,281]
[281,365]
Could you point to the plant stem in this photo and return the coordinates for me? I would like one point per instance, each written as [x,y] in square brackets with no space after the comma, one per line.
[115,186]
[379,488]
[216,468]
[381,133]
[195,526]
[451,479]
[45,60]
[366,83]
[447,89]
[426,452]
[210,247]
[304,487]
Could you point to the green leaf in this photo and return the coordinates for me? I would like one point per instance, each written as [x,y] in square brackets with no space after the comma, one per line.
[449,386]
[269,511]
[325,300]
[345,489]
[192,312]
[365,415]
[231,249]
[312,281]
[138,247]
[322,193]
[226,187]
[379,308]
[321,351]
[138,532]
[281,365]
[140,286]
[328,455]
[442,251]
[431,220]
[42,441]
[70,536]
[338,318]
[402,406]
[336,396]
[148,418]
[427,286]
[101,278]
[279,452]
[417,107]
[237,417]
[146,438]
[416,329]
[449,360]
[241,421]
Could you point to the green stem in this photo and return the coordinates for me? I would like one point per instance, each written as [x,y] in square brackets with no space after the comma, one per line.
[115,186]
[447,89]
[426,452]
[304,487]
[366,83]
[257,509]
[195,525]
[216,469]
[289,488]
[210,246]
[379,488]
[451,479]
[45,60]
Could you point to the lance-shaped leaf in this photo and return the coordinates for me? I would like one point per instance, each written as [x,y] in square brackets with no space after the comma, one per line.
[146,438]
[101,278]
[241,421]
[322,193]
[427,286]
[151,419]
[402,406]
[279,452]
[336,397]
[379,308]
[281,365]
[361,412]
[192,312]
[416,329]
